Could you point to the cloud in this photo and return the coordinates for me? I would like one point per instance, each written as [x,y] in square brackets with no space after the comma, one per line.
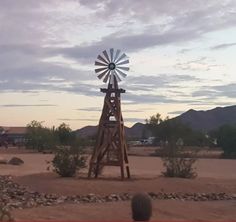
[224,94]
[200,64]
[90,109]
[223,46]
[51,45]
[72,120]
[26,105]
[134,120]
[176,112]
[227,90]
[149,83]
[183,51]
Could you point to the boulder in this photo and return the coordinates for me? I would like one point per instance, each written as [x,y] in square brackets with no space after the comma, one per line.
[3,161]
[15,161]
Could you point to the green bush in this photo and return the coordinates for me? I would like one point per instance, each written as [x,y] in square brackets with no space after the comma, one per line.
[176,163]
[67,161]
[226,139]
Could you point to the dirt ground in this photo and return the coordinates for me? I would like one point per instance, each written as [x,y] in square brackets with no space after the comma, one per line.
[120,211]
[214,175]
[145,167]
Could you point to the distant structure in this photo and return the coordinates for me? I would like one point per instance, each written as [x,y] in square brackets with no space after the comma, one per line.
[111,148]
[12,135]
[3,137]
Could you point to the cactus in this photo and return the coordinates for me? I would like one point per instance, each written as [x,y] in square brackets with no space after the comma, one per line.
[141,205]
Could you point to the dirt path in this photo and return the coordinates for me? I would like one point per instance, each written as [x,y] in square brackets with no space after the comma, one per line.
[120,211]
[51,183]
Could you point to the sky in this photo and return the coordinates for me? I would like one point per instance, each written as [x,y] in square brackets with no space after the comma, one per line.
[181,52]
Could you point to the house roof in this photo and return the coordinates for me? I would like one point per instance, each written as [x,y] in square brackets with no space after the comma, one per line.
[15,130]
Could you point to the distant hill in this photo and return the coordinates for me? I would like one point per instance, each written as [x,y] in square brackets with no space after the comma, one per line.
[210,119]
[138,130]
[199,120]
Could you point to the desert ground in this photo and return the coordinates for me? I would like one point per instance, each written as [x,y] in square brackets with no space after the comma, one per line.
[214,175]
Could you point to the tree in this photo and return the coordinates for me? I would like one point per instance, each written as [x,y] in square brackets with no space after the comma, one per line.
[64,134]
[172,129]
[154,120]
[39,137]
[175,133]
[226,139]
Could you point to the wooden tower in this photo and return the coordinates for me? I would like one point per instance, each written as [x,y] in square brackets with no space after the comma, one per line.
[110,148]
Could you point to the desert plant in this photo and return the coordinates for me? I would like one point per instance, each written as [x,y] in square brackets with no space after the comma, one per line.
[176,163]
[39,137]
[226,139]
[67,161]
[5,215]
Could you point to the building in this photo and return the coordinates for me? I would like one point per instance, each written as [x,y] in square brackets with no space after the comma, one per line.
[14,135]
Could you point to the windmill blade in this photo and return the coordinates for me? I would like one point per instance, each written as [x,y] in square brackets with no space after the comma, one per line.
[102,74]
[111,54]
[106,55]
[99,64]
[117,54]
[100,69]
[102,59]
[122,63]
[107,76]
[121,57]
[123,68]
[121,73]
[117,77]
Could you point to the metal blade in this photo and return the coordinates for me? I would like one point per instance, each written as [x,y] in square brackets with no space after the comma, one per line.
[111,54]
[122,57]
[99,64]
[121,73]
[106,55]
[102,59]
[100,69]
[117,77]
[107,76]
[123,68]
[102,74]
[122,63]
[117,54]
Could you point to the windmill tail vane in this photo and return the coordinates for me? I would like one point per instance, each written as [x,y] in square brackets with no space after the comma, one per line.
[111,65]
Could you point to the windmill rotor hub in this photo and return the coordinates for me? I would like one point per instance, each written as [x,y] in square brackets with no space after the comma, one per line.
[112,66]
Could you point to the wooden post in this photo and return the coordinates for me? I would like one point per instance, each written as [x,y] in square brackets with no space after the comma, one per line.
[110,148]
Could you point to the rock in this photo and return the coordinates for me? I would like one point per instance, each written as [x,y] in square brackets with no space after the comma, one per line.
[15,161]
[3,161]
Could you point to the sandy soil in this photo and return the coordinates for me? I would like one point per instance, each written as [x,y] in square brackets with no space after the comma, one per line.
[214,175]
[120,211]
[51,183]
[145,167]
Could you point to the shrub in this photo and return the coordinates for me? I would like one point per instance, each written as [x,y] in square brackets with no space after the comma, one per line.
[226,138]
[67,161]
[5,215]
[176,163]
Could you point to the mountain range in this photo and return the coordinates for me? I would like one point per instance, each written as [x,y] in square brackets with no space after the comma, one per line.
[136,131]
[198,120]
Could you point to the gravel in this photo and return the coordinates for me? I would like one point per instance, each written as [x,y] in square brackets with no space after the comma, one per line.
[13,196]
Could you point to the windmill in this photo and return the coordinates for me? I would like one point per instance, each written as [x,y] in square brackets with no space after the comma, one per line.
[110,148]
